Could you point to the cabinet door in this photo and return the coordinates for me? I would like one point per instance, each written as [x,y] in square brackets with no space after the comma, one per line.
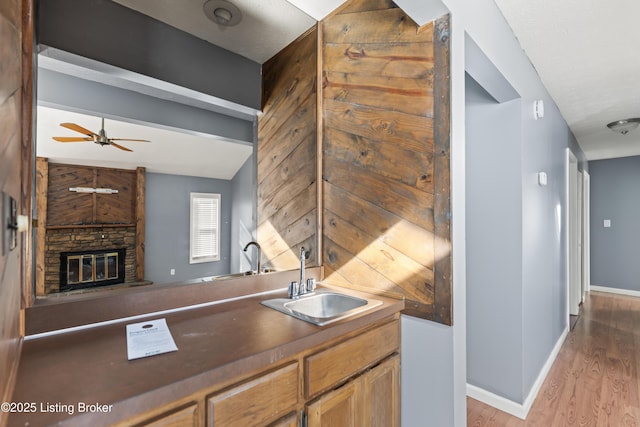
[257,402]
[188,416]
[337,408]
[381,394]
[290,421]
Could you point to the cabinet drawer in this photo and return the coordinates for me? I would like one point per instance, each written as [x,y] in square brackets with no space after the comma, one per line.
[290,421]
[257,402]
[327,368]
[187,416]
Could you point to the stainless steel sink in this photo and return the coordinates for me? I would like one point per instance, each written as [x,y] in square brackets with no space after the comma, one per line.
[322,307]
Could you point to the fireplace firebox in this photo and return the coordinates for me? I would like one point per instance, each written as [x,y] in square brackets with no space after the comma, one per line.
[86,269]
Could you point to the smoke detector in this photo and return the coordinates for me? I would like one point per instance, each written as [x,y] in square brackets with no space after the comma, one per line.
[222,12]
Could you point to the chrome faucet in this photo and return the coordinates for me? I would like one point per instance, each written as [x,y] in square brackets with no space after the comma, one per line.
[259,251]
[303,256]
[297,289]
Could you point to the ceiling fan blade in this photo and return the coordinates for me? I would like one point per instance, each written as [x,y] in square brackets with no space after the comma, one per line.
[120,147]
[125,139]
[77,128]
[71,139]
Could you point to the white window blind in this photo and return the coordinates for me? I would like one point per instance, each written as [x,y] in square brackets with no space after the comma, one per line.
[205,219]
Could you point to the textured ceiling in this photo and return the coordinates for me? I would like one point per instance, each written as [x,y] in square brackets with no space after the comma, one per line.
[586,53]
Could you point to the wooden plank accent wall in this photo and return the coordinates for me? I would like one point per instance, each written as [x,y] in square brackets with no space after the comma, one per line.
[287,172]
[69,208]
[13,95]
[385,155]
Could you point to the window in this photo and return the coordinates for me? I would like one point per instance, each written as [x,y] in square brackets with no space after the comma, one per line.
[204,243]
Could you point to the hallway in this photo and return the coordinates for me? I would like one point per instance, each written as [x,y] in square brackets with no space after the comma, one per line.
[594,380]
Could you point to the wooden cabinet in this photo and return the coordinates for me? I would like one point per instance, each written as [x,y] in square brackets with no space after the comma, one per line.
[370,400]
[351,382]
[288,421]
[337,408]
[327,368]
[188,416]
[345,382]
[257,402]
[370,394]
[381,394]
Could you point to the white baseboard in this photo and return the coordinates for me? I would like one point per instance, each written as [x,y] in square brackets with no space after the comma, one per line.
[615,291]
[519,410]
[498,402]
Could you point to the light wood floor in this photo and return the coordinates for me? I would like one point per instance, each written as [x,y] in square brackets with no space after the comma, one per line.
[594,380]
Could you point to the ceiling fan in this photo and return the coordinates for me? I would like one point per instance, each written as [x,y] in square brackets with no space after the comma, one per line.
[99,138]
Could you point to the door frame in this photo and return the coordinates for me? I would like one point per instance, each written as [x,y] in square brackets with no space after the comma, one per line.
[573,215]
[586,234]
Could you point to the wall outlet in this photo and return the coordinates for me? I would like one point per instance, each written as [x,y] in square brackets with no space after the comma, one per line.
[172,271]
[607,223]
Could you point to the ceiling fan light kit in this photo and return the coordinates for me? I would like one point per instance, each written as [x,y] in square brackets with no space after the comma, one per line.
[624,126]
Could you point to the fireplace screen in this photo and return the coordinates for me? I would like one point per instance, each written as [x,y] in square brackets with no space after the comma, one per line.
[91,268]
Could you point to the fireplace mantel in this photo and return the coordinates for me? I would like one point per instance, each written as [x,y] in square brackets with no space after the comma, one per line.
[66,227]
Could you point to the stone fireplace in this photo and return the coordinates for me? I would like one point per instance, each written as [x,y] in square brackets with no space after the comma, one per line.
[89,247]
[90,231]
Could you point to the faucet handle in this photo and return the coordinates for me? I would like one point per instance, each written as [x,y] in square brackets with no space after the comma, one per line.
[311,284]
[292,290]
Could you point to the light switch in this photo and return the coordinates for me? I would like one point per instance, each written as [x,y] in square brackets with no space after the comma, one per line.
[607,223]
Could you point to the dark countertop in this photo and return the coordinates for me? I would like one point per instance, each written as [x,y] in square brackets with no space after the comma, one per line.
[215,344]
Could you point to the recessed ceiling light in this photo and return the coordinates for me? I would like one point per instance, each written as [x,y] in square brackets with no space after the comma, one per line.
[624,126]
[222,12]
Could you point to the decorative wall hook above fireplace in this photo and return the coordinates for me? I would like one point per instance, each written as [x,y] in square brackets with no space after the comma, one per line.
[93,190]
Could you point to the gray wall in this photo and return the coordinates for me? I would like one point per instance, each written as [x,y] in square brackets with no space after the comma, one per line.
[427,363]
[615,195]
[108,32]
[70,93]
[544,234]
[515,230]
[167,227]
[494,243]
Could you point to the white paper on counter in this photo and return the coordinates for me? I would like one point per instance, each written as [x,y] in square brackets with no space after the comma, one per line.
[149,338]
